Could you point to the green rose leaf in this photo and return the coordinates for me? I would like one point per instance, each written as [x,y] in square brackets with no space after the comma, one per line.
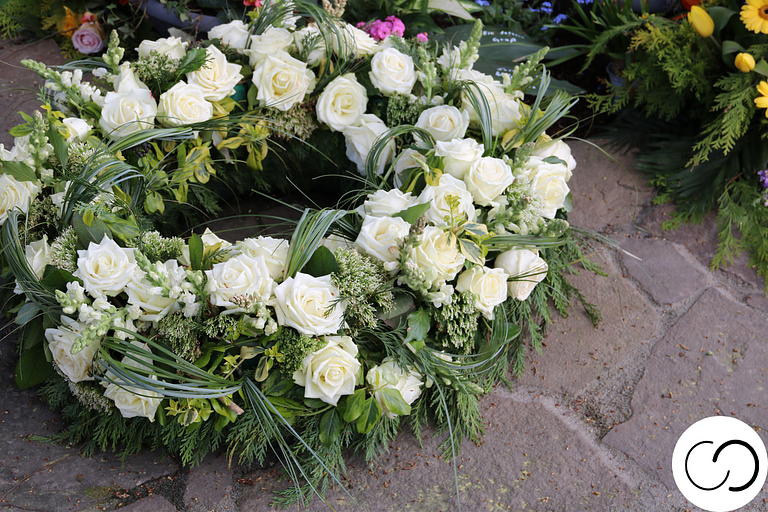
[94,233]
[32,368]
[369,417]
[418,326]
[412,214]
[322,263]
[394,402]
[330,427]
[355,404]
[19,170]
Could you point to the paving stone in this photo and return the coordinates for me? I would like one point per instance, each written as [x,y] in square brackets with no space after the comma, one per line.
[665,272]
[528,459]
[209,486]
[19,88]
[605,192]
[153,503]
[576,352]
[683,384]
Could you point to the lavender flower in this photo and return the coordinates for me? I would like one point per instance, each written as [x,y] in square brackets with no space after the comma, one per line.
[763,178]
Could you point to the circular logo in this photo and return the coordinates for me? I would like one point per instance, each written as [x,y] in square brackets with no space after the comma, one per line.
[719,464]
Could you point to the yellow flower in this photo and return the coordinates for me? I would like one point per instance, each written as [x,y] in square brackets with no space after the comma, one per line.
[762,100]
[755,16]
[69,23]
[701,21]
[745,62]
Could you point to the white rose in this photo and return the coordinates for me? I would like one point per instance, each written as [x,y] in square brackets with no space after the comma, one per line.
[443,122]
[489,286]
[330,372]
[273,250]
[126,80]
[305,36]
[15,194]
[282,81]
[487,179]
[342,102]
[388,375]
[381,237]
[408,159]
[438,261]
[309,304]
[549,182]
[360,139]
[392,72]
[105,268]
[352,40]
[273,41]
[134,402]
[458,155]
[546,147]
[241,275]
[218,77]
[235,34]
[209,239]
[437,197]
[174,47]
[385,203]
[504,107]
[184,104]
[38,255]
[78,129]
[526,269]
[76,367]
[153,303]
[128,112]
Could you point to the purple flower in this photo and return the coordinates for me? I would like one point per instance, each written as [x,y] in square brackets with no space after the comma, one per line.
[89,38]
[422,38]
[560,18]
[763,178]
[482,3]
[397,26]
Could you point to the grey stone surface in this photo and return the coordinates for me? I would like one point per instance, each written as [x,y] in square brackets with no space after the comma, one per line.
[713,361]
[665,271]
[209,487]
[152,503]
[607,191]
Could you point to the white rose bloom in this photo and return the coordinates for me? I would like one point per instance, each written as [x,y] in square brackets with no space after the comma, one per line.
[458,155]
[184,104]
[439,261]
[361,137]
[311,33]
[241,275]
[282,81]
[38,255]
[218,77]
[380,237]
[174,47]
[105,268]
[330,372]
[546,147]
[549,182]
[15,194]
[388,375]
[443,122]
[272,41]
[235,34]
[154,305]
[342,102]
[392,72]
[134,402]
[385,203]
[437,197]
[78,129]
[489,286]
[504,107]
[126,80]
[309,305]
[353,41]
[334,242]
[76,367]
[273,250]
[128,112]
[487,179]
[526,269]
[408,159]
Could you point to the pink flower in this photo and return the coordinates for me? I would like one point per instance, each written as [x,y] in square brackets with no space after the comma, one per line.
[89,38]
[379,30]
[422,38]
[396,26]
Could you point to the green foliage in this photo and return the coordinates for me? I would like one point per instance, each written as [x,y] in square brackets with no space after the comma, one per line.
[295,347]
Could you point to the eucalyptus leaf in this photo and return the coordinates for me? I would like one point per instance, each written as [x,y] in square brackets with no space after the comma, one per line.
[27,313]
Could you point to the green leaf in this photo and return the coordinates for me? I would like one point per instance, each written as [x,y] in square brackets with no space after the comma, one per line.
[568,203]
[510,331]
[286,407]
[475,229]
[721,16]
[370,415]
[412,214]
[322,263]
[418,326]
[154,203]
[33,334]
[20,130]
[330,427]
[19,170]
[125,229]
[196,251]
[452,7]
[32,368]
[732,47]
[192,61]
[394,402]
[27,313]
[761,67]
[59,145]
[94,233]
[354,405]
[262,369]
[471,251]
[56,279]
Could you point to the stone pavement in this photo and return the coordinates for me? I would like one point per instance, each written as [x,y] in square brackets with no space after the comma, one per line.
[591,425]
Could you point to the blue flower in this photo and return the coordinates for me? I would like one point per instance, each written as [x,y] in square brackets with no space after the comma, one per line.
[482,3]
[560,18]
[584,1]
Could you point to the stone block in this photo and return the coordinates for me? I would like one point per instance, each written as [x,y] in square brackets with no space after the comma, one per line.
[153,503]
[209,487]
